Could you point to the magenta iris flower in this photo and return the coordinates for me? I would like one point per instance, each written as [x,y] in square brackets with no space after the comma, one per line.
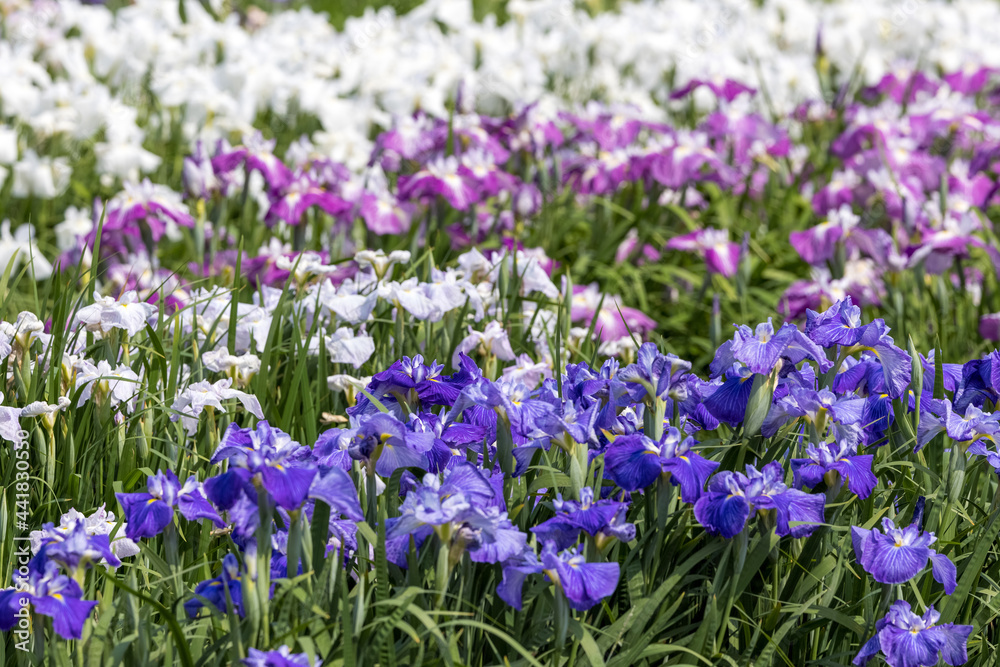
[299,195]
[633,462]
[257,154]
[896,555]
[440,177]
[725,89]
[909,640]
[725,508]
[721,255]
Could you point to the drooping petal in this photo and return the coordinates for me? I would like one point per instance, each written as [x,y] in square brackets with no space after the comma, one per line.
[631,464]
[146,515]
[956,637]
[795,505]
[944,571]
[722,514]
[336,489]
[858,472]
[68,613]
[288,485]
[690,471]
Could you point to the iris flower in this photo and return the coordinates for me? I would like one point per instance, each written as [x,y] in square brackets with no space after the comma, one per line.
[896,555]
[214,590]
[908,640]
[590,516]
[282,657]
[49,593]
[839,458]
[584,584]
[633,462]
[725,508]
[149,513]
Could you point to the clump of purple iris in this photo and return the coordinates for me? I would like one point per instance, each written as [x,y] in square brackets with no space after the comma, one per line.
[603,519]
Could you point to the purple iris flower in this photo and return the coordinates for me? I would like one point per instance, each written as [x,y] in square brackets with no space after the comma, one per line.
[489,536]
[282,657]
[570,420]
[588,515]
[763,348]
[443,501]
[483,401]
[842,414]
[584,584]
[728,402]
[49,593]
[896,364]
[973,427]
[78,549]
[634,461]
[980,382]
[827,460]
[149,513]
[660,374]
[840,324]
[214,590]
[385,442]
[451,439]
[274,456]
[896,555]
[397,547]
[725,508]
[409,384]
[908,640]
